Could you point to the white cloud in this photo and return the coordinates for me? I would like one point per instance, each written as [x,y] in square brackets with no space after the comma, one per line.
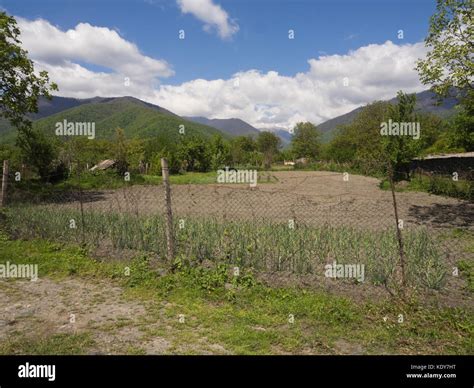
[265,100]
[269,99]
[61,53]
[211,14]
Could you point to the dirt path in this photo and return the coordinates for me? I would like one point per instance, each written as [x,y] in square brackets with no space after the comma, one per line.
[118,325]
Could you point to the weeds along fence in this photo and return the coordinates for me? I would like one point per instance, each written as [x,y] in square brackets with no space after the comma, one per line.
[297,226]
[453,185]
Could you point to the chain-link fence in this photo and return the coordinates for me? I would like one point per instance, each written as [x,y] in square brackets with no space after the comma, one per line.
[293,221]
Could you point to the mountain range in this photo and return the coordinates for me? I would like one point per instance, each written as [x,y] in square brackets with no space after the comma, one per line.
[137,118]
[233,127]
[426,102]
[140,119]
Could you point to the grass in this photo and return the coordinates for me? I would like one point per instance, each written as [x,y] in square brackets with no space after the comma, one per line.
[195,178]
[257,321]
[264,246]
[467,270]
[241,315]
[463,238]
[56,344]
[281,167]
[34,190]
[99,180]
[437,185]
[54,259]
[351,168]
[110,180]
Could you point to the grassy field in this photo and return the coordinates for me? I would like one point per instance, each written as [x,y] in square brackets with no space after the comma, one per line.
[195,178]
[208,310]
[110,180]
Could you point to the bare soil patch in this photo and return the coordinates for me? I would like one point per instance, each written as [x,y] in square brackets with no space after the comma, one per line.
[309,197]
[72,306]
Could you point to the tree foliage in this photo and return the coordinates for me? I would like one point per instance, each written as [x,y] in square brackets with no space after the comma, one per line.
[219,152]
[20,89]
[398,150]
[450,41]
[121,152]
[305,142]
[268,144]
[449,65]
[361,145]
[241,149]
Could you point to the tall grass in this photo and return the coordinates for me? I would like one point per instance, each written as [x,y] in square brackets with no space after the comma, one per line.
[266,246]
[438,185]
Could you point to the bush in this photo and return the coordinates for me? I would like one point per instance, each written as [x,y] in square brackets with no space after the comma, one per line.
[59,173]
[441,185]
[438,185]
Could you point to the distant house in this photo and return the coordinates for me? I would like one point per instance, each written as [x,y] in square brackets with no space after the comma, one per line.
[445,164]
[103,165]
[303,161]
[288,163]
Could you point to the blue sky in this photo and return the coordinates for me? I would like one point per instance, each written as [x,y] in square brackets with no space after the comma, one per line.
[259,42]
[321,26]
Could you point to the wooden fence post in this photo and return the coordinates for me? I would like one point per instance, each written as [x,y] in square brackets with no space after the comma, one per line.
[168,212]
[81,204]
[399,233]
[3,195]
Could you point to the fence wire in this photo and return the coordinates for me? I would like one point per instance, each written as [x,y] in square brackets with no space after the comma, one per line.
[294,222]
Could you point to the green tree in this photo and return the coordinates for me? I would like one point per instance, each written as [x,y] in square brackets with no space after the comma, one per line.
[8,151]
[305,142]
[20,89]
[285,154]
[85,151]
[194,154]
[41,153]
[220,152]
[121,152]
[462,134]
[360,142]
[450,59]
[241,149]
[136,153]
[268,144]
[399,150]
[449,65]
[342,147]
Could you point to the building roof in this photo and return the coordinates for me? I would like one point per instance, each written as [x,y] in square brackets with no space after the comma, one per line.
[105,164]
[447,156]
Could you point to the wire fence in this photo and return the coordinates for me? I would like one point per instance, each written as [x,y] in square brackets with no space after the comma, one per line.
[296,222]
